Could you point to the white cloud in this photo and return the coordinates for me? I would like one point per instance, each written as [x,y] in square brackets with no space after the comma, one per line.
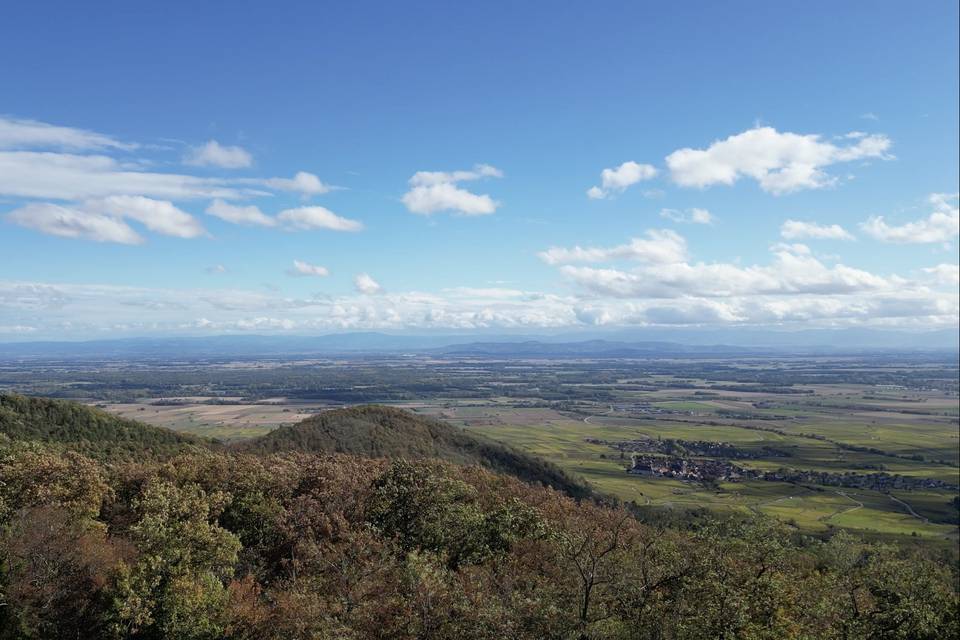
[943,225]
[307,218]
[426,200]
[301,268]
[64,176]
[435,191]
[799,230]
[915,309]
[103,220]
[779,162]
[596,193]
[69,222]
[30,134]
[617,180]
[217,269]
[948,274]
[700,216]
[690,216]
[303,183]
[160,216]
[793,271]
[17,328]
[661,246]
[85,310]
[248,215]
[213,154]
[366,285]
[427,178]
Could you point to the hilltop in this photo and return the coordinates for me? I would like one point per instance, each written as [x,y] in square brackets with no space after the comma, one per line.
[384,432]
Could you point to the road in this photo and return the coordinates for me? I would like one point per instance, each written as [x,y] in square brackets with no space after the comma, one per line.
[909,508]
[845,511]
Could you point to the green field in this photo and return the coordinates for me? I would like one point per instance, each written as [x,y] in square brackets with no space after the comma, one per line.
[560,438]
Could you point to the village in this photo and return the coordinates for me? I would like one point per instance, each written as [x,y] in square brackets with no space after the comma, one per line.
[676,447]
[708,470]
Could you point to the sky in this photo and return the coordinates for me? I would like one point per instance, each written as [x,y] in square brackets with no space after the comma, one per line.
[309,168]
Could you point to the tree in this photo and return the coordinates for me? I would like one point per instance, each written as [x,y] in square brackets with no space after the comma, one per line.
[176,587]
[59,572]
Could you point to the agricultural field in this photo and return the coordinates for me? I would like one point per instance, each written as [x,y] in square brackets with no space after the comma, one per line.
[219,421]
[561,439]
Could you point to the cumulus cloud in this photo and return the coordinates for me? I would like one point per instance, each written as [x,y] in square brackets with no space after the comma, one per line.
[794,271]
[690,216]
[435,191]
[213,154]
[366,285]
[245,215]
[617,179]
[780,162]
[309,218]
[301,268]
[660,246]
[217,269]
[942,225]
[304,183]
[799,230]
[160,216]
[30,134]
[103,220]
[99,195]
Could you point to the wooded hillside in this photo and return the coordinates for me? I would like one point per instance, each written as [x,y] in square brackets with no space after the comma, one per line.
[384,432]
[88,430]
[222,544]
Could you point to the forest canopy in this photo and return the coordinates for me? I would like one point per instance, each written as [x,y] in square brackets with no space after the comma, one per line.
[225,544]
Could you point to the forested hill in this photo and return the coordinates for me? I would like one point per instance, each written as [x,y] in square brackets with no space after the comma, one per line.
[369,431]
[88,430]
[384,432]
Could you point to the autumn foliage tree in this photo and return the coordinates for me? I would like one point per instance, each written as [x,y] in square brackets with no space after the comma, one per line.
[250,546]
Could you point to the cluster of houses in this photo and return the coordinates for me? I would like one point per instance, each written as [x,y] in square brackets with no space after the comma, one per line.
[683,468]
[636,407]
[720,470]
[679,448]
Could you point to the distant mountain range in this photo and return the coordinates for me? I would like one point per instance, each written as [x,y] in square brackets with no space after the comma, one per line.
[614,343]
[589,349]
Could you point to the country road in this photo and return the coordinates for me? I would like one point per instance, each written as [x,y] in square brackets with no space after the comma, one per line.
[845,511]
[909,508]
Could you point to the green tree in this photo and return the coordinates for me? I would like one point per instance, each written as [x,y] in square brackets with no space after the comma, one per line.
[176,585]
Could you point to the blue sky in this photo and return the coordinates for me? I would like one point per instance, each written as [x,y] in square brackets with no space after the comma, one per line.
[791,165]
